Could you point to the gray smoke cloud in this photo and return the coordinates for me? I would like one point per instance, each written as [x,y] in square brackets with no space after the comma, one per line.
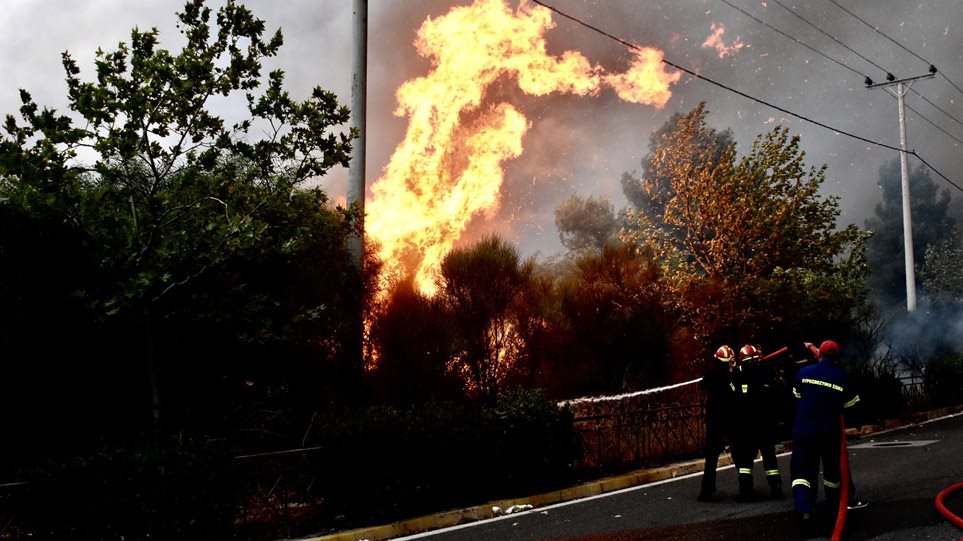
[583,145]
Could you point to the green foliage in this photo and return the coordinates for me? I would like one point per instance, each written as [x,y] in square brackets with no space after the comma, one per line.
[941,264]
[586,223]
[383,464]
[186,233]
[943,379]
[131,492]
[649,194]
[744,243]
[483,289]
[932,226]
[880,390]
[415,340]
[613,307]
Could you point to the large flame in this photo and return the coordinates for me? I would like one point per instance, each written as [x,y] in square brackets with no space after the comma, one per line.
[448,169]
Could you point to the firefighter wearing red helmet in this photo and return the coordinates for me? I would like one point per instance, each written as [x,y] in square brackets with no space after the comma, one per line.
[824,391]
[717,385]
[756,403]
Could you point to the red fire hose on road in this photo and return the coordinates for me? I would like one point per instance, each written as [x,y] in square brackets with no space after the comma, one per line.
[955,519]
[844,487]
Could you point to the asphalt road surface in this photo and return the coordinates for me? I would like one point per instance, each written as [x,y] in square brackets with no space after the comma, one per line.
[899,473]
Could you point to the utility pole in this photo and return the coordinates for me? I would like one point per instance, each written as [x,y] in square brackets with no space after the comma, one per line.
[359,91]
[902,87]
[354,341]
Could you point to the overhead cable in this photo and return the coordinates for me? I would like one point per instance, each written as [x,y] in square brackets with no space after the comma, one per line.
[889,75]
[935,125]
[797,40]
[635,47]
[850,68]
[898,44]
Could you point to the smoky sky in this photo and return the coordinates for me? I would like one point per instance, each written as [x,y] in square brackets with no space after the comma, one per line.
[582,145]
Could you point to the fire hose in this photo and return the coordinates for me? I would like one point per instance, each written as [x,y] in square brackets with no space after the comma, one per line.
[949,515]
[844,486]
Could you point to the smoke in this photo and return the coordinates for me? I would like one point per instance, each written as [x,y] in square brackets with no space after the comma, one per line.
[935,327]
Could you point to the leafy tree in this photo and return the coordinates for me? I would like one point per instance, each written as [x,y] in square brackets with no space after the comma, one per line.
[414,336]
[747,245]
[612,305]
[932,226]
[649,194]
[586,223]
[483,289]
[941,263]
[177,199]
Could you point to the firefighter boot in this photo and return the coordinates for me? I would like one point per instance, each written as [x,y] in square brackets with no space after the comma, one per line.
[746,493]
[775,486]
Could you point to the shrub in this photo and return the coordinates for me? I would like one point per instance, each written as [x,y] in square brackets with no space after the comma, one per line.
[943,379]
[384,464]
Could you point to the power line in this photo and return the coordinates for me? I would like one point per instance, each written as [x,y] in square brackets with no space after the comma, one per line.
[635,47]
[920,115]
[938,108]
[889,76]
[950,135]
[898,44]
[850,68]
[935,170]
[774,29]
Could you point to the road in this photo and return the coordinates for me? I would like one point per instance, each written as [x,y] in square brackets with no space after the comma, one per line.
[898,472]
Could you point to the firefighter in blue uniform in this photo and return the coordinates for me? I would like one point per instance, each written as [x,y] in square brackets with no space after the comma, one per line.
[755,397]
[824,392]
[718,388]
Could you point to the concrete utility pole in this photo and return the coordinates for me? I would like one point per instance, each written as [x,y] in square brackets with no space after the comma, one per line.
[902,87]
[354,346]
[359,92]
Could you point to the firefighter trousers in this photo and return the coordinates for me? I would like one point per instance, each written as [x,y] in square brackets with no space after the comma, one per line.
[745,454]
[807,453]
[715,445]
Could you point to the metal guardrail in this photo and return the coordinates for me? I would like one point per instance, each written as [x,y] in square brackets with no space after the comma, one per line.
[636,436]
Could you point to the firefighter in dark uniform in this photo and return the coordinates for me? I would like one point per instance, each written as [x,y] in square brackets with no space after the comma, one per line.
[824,392]
[755,399]
[717,386]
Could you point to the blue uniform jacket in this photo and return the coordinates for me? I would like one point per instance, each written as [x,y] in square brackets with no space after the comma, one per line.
[824,392]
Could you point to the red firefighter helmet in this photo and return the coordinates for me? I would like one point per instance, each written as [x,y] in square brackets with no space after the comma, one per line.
[829,349]
[749,353]
[725,354]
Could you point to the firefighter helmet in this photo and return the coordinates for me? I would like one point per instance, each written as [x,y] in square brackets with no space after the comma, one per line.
[749,353]
[829,349]
[725,354]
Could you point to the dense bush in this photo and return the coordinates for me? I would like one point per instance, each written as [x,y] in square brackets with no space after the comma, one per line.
[880,391]
[943,379]
[132,492]
[383,464]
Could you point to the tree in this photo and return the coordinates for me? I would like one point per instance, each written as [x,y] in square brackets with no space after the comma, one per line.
[176,194]
[747,245]
[586,223]
[941,263]
[649,193]
[414,336]
[932,226]
[613,306]
[483,288]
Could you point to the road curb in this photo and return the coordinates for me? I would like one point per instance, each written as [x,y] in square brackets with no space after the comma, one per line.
[593,488]
[485,511]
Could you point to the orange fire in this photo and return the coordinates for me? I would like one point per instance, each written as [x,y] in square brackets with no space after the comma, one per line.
[714,41]
[448,168]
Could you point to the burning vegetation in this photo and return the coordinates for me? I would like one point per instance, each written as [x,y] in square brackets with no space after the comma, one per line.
[448,168]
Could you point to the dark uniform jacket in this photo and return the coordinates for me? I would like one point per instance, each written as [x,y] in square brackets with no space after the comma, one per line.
[824,392]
